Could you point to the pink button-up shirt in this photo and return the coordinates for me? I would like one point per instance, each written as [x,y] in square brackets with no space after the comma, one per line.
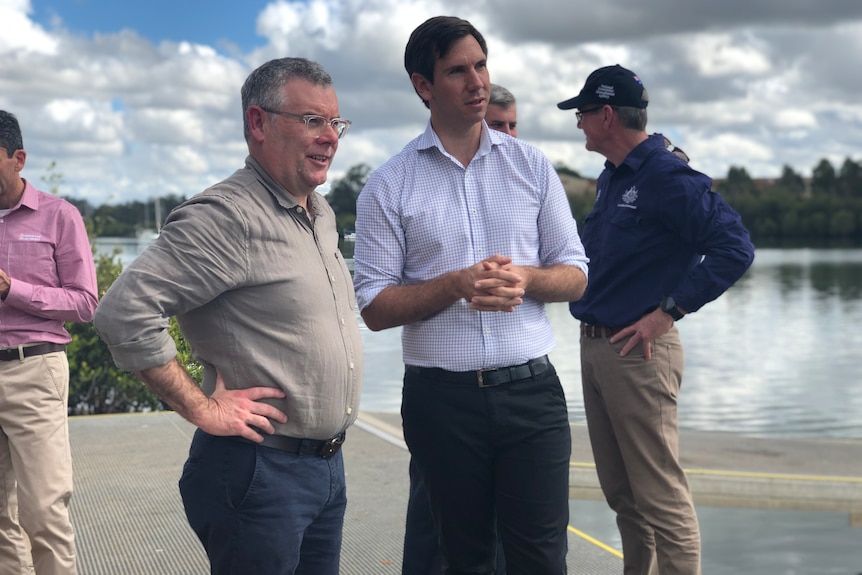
[45,251]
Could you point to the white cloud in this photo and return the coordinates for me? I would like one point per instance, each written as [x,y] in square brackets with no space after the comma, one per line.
[795,119]
[742,83]
[728,54]
[19,33]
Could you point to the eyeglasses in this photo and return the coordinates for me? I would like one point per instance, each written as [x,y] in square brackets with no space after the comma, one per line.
[581,113]
[316,125]
[678,152]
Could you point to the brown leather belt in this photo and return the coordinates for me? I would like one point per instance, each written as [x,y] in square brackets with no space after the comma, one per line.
[598,331]
[14,354]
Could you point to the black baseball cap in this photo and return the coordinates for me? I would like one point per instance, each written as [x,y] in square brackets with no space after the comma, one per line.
[611,85]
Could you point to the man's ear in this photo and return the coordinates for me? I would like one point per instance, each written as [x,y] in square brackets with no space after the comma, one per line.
[255,118]
[20,157]
[421,85]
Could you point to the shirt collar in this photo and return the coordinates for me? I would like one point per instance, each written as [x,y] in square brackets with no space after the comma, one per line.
[279,193]
[430,139]
[640,153]
[30,198]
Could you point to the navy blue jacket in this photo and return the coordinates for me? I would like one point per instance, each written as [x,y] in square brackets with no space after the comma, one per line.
[657,229]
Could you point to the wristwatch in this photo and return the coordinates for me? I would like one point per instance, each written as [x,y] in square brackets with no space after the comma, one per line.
[668,306]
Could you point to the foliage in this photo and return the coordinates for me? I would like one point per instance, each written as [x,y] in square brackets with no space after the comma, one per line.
[564,170]
[825,209]
[738,181]
[343,194]
[581,205]
[52,178]
[96,385]
[184,353]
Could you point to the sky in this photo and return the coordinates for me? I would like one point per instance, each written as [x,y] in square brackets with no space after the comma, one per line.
[140,99]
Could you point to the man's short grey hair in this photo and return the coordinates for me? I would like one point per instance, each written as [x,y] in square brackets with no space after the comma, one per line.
[500,96]
[632,118]
[263,87]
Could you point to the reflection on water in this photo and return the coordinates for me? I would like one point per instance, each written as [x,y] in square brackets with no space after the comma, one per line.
[777,355]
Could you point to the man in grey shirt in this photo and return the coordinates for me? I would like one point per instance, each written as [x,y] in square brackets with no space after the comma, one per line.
[252,271]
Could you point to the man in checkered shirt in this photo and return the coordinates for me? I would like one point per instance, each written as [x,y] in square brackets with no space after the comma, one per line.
[462,238]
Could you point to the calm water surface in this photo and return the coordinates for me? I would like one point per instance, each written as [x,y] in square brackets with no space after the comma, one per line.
[777,355]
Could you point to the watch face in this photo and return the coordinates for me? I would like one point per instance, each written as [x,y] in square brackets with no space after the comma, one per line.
[668,306]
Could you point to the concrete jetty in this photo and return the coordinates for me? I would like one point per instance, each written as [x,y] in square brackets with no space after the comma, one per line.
[129,518]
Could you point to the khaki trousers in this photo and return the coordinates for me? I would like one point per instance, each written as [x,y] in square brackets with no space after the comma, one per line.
[631,409]
[35,454]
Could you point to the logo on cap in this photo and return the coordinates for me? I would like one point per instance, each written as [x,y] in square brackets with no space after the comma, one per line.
[605,91]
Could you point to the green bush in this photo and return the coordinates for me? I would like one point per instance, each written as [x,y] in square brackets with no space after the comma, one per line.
[96,385]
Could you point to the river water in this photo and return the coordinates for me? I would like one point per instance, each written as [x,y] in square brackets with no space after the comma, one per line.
[778,355]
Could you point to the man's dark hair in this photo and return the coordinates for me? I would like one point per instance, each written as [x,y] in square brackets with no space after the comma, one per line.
[10,133]
[432,41]
[263,87]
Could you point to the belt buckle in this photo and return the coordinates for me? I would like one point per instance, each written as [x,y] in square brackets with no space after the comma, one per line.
[331,447]
[482,379]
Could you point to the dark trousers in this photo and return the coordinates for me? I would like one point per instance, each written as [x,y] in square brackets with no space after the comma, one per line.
[494,457]
[264,511]
[421,548]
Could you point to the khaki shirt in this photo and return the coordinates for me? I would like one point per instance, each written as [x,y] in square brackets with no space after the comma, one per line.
[263,296]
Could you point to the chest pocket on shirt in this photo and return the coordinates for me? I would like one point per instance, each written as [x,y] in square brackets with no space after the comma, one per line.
[38,255]
[627,229]
[625,221]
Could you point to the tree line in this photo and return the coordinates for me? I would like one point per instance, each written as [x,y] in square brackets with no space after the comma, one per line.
[824,209]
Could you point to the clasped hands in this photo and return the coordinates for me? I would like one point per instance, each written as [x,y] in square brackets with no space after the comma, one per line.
[496,284]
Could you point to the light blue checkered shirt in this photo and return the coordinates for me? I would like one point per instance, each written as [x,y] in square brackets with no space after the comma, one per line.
[423,214]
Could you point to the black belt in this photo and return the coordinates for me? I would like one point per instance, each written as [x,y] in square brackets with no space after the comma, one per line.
[324,448]
[41,349]
[486,377]
[598,331]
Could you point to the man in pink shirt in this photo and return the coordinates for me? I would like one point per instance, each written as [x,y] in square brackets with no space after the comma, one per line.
[47,277]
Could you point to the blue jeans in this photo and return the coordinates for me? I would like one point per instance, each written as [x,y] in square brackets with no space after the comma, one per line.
[494,457]
[264,511]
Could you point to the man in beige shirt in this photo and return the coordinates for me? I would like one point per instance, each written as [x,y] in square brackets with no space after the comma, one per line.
[252,271]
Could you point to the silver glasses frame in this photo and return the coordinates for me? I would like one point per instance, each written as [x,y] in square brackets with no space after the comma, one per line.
[314,124]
